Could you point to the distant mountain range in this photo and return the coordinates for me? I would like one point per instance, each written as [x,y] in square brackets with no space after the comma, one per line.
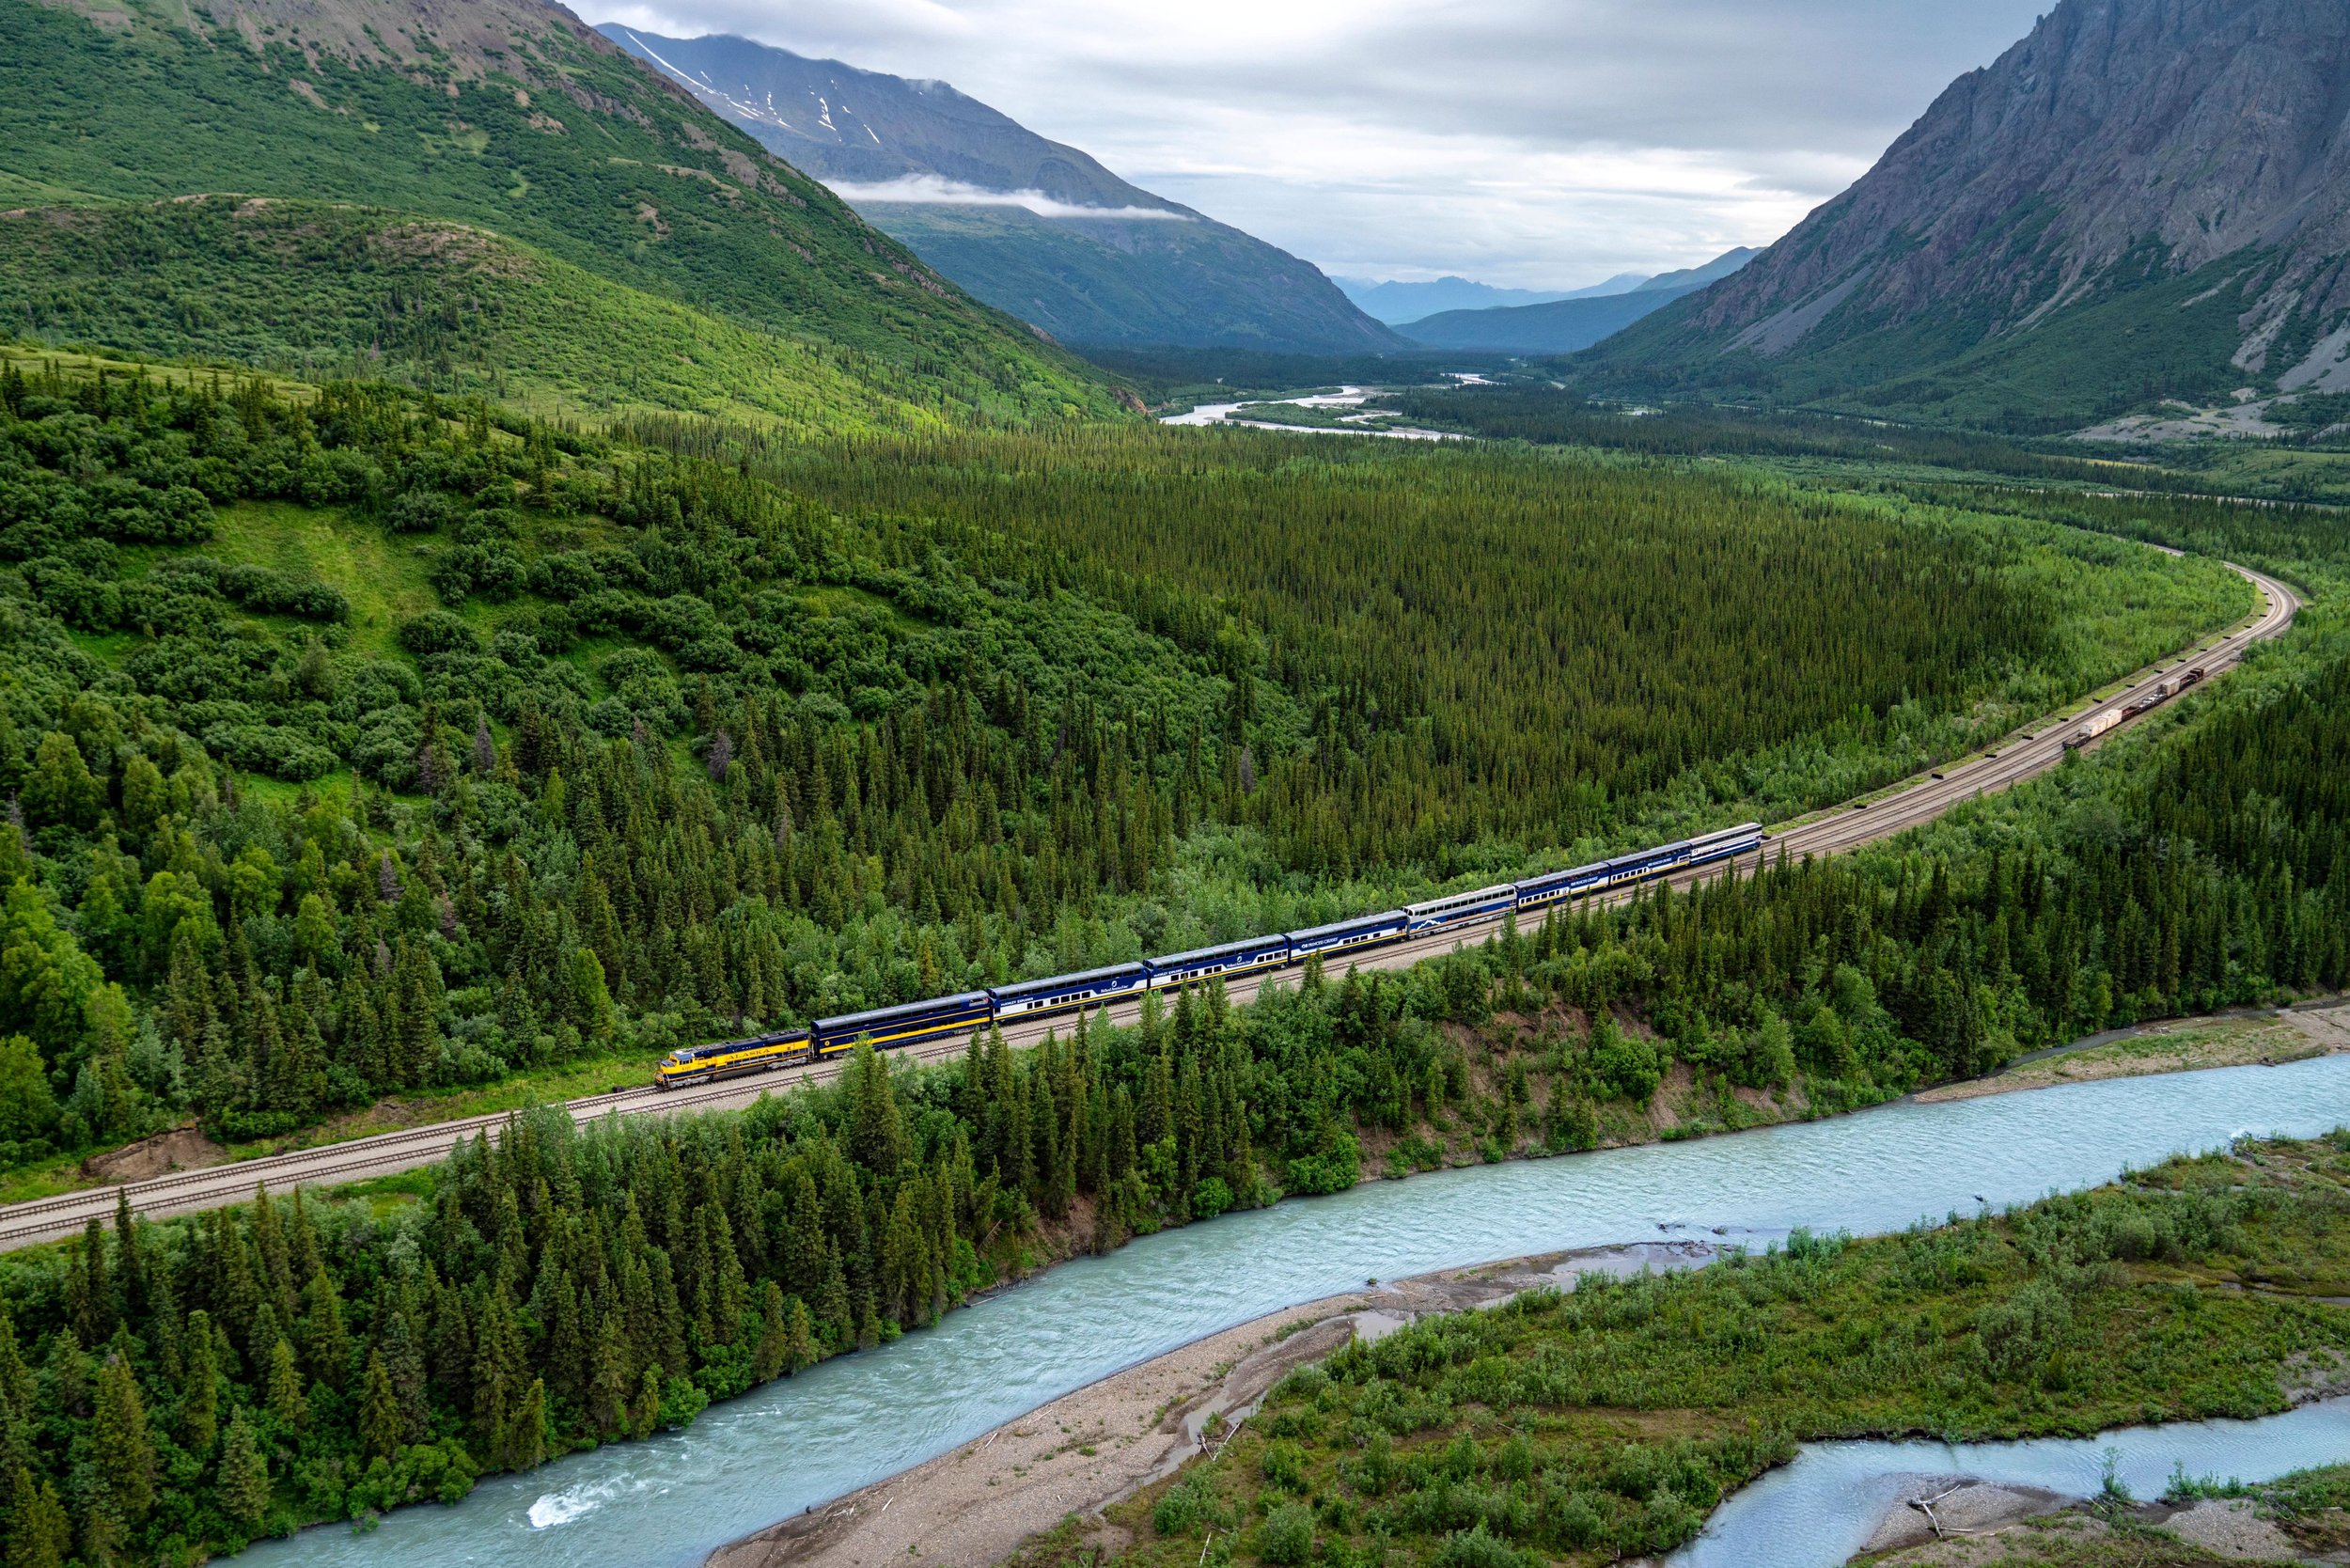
[1398,302]
[1572,322]
[1029,226]
[2142,199]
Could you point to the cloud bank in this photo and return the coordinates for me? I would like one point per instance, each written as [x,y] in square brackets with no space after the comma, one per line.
[929,190]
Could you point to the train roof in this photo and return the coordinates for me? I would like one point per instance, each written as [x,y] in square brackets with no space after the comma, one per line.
[906,1010]
[1545,878]
[1254,944]
[1389,918]
[1454,900]
[1113,972]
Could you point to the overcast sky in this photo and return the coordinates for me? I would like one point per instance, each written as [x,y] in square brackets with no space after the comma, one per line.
[1532,143]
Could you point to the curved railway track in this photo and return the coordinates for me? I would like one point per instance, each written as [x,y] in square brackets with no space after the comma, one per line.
[1830,832]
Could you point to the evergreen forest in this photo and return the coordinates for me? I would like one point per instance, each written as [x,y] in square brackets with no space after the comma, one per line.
[578,805]
[364,743]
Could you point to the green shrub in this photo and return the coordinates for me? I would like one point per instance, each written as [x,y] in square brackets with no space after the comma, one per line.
[1283,1463]
[1286,1538]
[1478,1548]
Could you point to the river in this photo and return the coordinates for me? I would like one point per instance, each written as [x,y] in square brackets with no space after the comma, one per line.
[856,1419]
[1821,1510]
[1345,397]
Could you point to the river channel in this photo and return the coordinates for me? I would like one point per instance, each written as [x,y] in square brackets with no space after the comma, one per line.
[800,1441]
[1821,1510]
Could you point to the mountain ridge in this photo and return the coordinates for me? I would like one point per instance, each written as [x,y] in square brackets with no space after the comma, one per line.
[1396,303]
[509,116]
[2122,146]
[1571,324]
[1092,259]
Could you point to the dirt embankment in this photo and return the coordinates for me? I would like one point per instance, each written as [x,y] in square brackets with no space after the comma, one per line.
[975,1506]
[181,1148]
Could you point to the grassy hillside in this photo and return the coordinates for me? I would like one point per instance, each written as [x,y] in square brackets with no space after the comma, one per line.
[322,290]
[506,116]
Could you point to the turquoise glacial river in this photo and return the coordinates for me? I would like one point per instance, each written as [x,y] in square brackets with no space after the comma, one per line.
[804,1440]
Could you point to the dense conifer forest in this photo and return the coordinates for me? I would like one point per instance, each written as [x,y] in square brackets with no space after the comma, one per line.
[663,742]
[652,746]
[1505,646]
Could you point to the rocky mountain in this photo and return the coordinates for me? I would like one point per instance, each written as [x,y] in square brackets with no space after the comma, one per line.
[478,140]
[1031,226]
[2144,198]
[1566,325]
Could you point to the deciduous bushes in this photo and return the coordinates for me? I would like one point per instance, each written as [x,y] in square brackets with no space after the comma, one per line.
[1609,1422]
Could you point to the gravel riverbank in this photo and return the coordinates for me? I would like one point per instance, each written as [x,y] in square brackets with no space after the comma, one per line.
[973,1507]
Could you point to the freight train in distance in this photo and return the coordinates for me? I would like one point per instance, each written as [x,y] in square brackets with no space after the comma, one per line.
[913,1023]
[2146,701]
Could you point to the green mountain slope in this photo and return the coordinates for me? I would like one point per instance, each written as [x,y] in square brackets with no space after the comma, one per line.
[318,289]
[509,116]
[1091,259]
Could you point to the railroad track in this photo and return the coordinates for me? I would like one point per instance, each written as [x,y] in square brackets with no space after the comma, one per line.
[1880,816]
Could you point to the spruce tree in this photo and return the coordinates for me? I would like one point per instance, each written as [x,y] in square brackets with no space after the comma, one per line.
[243,1490]
[498,1366]
[645,1415]
[381,1423]
[802,1335]
[877,1134]
[38,1535]
[773,1352]
[283,1395]
[526,1445]
[121,1449]
[200,1395]
[608,1381]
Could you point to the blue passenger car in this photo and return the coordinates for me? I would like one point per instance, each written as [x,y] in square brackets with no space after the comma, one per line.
[908,1024]
[1709,847]
[1371,931]
[1233,958]
[1556,886]
[1460,909]
[1094,988]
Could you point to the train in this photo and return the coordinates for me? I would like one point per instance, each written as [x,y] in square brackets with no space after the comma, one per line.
[914,1023]
[2148,698]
